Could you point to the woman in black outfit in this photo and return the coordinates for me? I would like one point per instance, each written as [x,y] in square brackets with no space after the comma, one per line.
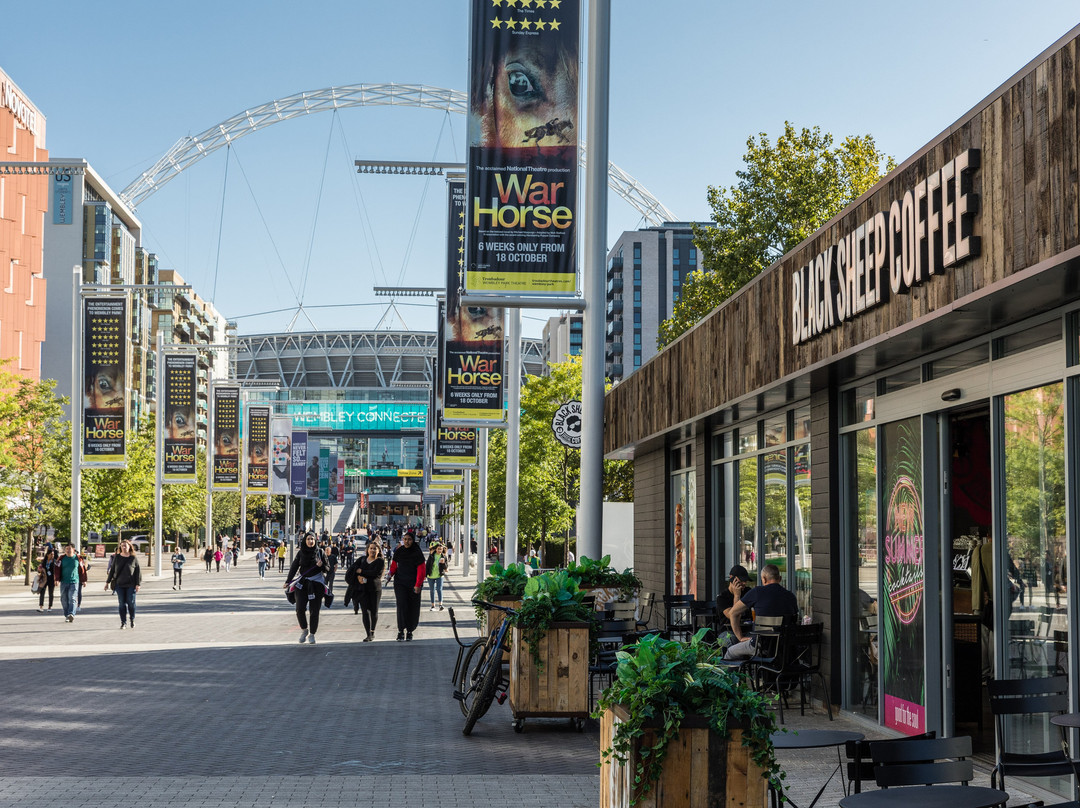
[125,578]
[47,567]
[364,577]
[408,569]
[307,581]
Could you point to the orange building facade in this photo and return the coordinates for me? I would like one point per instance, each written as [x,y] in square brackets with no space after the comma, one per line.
[24,203]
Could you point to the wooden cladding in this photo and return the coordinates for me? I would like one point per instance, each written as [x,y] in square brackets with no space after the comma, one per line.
[1026,138]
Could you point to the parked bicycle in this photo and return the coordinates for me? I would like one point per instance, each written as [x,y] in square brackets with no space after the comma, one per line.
[482,682]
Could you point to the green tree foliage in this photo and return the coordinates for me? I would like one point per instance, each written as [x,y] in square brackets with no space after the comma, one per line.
[786,191]
[549,473]
[31,431]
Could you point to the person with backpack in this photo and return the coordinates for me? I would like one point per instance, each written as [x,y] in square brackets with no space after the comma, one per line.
[436,570]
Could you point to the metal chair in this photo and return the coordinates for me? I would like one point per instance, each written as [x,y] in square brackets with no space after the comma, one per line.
[680,621]
[923,762]
[860,763]
[795,664]
[1043,696]
[613,635]
[645,607]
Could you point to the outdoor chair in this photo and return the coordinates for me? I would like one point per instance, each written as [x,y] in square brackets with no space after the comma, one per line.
[860,764]
[645,606]
[923,762]
[1028,697]
[680,621]
[796,663]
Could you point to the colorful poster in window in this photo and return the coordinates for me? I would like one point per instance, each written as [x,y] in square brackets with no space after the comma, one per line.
[684,535]
[324,470]
[257,438]
[178,438]
[104,381]
[298,472]
[523,147]
[225,441]
[340,480]
[472,343]
[280,455]
[331,473]
[903,579]
[311,475]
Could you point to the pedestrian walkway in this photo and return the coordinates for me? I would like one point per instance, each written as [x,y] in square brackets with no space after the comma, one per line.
[210,701]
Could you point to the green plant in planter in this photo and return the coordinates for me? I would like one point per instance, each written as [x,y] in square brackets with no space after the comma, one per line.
[552,597]
[501,582]
[659,682]
[600,574]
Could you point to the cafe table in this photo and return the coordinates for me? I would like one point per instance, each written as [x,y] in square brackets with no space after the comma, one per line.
[816,739]
[1066,722]
[927,797]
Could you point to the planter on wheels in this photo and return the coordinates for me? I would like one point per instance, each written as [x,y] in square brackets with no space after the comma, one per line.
[701,769]
[561,689]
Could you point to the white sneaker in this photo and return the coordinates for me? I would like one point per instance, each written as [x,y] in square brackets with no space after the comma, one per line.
[311,639]
[431,609]
[303,636]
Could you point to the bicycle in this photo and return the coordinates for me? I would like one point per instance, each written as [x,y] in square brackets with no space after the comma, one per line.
[466,654]
[478,687]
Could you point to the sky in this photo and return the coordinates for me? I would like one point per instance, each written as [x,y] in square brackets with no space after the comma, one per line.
[283,217]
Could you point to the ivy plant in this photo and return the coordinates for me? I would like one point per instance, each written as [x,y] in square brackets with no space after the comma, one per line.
[501,582]
[593,574]
[659,682]
[551,597]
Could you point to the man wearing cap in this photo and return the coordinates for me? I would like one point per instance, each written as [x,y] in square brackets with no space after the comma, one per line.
[770,599]
[738,585]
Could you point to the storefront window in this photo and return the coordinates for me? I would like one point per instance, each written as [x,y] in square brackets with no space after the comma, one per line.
[746,471]
[1037,619]
[684,533]
[800,531]
[903,575]
[774,469]
[861,449]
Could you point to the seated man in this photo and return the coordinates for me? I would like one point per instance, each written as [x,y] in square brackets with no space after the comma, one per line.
[738,585]
[768,600]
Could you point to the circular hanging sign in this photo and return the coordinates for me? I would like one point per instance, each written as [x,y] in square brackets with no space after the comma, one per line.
[566,424]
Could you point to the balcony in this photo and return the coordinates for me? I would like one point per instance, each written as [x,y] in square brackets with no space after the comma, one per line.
[614,371]
[614,349]
[614,327]
[614,306]
[614,285]
[614,265]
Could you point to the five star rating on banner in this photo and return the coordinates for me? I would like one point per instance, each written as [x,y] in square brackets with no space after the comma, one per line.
[104,339]
[527,24]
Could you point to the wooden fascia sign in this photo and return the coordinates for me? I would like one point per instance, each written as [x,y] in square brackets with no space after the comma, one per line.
[924,233]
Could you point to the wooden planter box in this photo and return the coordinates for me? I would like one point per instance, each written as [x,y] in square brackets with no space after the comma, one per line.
[701,769]
[562,687]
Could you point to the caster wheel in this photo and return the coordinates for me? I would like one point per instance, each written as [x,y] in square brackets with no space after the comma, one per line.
[579,724]
[519,726]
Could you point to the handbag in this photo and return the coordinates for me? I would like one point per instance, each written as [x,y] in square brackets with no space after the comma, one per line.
[292,586]
[38,583]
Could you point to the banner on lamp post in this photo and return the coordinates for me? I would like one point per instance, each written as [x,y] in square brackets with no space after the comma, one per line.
[525,64]
[299,464]
[472,345]
[180,379]
[257,437]
[105,413]
[225,442]
[280,455]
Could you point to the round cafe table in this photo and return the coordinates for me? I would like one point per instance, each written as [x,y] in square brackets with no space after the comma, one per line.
[816,739]
[927,797]
[1066,722]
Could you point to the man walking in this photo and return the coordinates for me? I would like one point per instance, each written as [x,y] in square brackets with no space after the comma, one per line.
[770,599]
[69,582]
[178,559]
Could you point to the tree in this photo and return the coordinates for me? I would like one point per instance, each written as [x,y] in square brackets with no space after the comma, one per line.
[786,191]
[32,430]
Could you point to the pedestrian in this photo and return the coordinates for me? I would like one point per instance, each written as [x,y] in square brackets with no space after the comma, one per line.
[236,553]
[69,582]
[47,568]
[407,571]
[281,557]
[227,557]
[178,559]
[124,579]
[367,572]
[208,557]
[307,583]
[218,555]
[261,557]
[84,570]
[436,569]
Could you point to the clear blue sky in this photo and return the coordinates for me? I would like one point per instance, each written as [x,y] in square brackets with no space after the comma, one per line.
[119,82]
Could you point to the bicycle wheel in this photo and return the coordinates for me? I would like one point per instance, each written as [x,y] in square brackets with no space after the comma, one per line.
[481,702]
[465,685]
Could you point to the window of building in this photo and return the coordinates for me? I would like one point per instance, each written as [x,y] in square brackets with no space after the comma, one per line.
[637,252]
[1026,340]
[693,257]
[637,276]
[674,255]
[674,277]
[637,317]
[947,365]
[637,359]
[637,338]
[637,296]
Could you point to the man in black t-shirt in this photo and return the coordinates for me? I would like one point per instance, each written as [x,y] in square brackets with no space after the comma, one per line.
[768,600]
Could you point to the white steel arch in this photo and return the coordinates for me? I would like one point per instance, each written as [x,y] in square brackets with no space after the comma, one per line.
[189,150]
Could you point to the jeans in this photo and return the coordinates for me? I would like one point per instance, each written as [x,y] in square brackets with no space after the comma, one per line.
[408,608]
[208,564]
[262,569]
[126,596]
[435,588]
[68,595]
[177,576]
[314,604]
